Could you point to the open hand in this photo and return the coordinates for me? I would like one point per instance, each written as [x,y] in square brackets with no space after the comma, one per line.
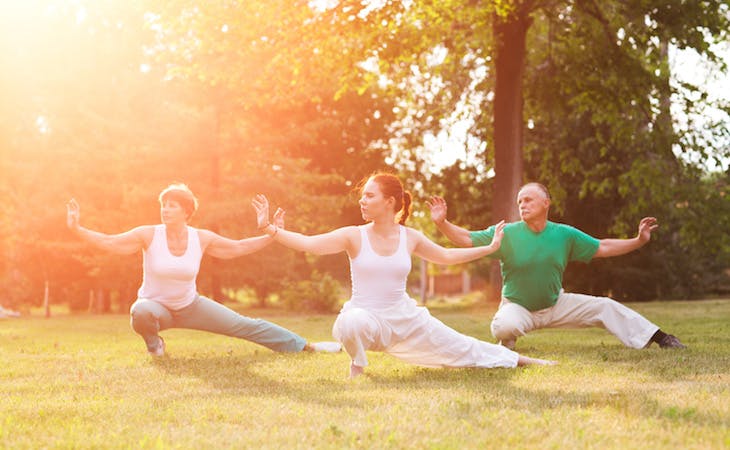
[437,205]
[72,214]
[646,226]
[261,205]
[279,218]
[498,234]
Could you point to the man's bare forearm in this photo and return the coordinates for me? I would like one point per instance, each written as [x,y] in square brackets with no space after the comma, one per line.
[456,234]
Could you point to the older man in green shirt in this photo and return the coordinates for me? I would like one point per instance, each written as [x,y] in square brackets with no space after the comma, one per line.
[533,258]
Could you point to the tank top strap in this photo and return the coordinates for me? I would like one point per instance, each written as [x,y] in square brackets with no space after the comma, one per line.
[158,236]
[364,241]
[402,244]
[194,239]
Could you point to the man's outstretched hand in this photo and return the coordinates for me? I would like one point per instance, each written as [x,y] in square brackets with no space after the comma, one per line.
[438,208]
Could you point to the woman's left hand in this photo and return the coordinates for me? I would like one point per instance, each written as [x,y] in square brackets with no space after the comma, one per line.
[498,234]
[261,205]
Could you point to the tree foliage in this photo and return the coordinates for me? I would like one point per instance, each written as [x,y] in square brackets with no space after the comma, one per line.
[597,123]
[109,101]
[224,96]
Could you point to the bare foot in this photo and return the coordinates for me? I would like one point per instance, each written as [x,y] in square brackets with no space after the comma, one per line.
[527,361]
[356,370]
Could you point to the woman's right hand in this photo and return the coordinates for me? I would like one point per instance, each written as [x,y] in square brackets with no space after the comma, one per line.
[279,218]
[72,214]
[261,205]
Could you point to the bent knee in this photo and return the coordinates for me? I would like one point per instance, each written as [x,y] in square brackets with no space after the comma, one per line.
[140,312]
[505,327]
[354,322]
[503,331]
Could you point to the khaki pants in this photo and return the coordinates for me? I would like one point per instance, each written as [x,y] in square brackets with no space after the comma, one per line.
[574,311]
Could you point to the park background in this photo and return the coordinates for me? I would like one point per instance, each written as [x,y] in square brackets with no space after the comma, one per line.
[108,102]
[619,107]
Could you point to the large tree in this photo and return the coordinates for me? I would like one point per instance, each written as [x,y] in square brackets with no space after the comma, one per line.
[588,80]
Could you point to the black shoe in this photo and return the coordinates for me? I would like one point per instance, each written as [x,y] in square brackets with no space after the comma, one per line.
[670,341]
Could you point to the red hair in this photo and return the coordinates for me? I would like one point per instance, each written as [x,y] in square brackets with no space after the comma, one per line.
[391,186]
[182,194]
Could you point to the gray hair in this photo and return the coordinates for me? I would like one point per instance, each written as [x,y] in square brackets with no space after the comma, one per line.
[540,186]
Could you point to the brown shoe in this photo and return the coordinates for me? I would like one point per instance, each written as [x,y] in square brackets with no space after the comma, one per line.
[670,341]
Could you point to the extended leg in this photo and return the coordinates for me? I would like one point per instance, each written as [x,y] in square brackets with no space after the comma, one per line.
[206,315]
[579,310]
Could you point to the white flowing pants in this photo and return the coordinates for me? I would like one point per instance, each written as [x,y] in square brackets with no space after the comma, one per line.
[574,311]
[409,332]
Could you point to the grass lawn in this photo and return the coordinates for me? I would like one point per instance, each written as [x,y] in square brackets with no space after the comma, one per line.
[87,382]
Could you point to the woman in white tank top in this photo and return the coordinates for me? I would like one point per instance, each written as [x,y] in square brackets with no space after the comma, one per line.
[168,297]
[380,316]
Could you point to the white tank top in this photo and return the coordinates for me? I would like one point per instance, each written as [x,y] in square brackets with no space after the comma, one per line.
[170,279]
[379,281]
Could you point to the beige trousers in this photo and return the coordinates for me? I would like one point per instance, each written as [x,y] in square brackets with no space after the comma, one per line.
[574,311]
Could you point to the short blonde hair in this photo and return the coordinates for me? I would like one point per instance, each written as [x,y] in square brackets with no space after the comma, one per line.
[182,194]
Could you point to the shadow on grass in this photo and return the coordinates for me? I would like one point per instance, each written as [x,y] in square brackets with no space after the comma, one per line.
[440,378]
[241,375]
[631,403]
[494,389]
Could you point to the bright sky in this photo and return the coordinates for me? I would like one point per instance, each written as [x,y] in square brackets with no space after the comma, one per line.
[688,66]
[452,144]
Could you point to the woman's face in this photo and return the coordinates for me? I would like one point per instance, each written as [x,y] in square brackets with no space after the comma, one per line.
[172,212]
[372,202]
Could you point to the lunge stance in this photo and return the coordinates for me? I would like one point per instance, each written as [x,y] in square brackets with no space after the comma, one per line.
[380,316]
[168,297]
[533,257]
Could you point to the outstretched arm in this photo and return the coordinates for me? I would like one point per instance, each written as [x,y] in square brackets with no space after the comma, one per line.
[125,243]
[224,248]
[335,241]
[221,247]
[617,247]
[456,234]
[430,251]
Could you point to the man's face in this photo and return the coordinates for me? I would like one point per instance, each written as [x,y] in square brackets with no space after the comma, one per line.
[532,203]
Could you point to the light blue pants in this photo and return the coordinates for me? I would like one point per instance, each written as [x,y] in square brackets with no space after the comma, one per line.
[148,318]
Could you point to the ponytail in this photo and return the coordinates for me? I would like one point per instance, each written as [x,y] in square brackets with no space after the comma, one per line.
[405,211]
[391,186]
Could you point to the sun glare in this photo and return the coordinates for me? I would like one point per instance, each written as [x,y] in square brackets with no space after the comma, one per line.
[42,125]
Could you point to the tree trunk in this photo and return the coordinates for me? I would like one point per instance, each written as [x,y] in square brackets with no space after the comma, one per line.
[423,282]
[46,300]
[510,37]
[215,182]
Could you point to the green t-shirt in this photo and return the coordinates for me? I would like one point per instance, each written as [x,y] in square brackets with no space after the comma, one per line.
[533,263]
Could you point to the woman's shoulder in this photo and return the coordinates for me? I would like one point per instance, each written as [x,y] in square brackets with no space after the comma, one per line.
[349,230]
[413,232]
[144,233]
[147,229]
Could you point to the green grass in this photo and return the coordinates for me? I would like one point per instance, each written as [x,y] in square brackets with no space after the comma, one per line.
[87,382]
